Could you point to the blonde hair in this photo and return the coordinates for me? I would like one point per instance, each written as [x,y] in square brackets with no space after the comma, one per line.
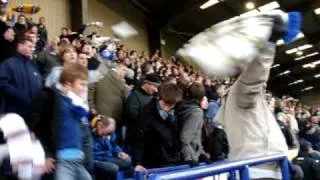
[72,72]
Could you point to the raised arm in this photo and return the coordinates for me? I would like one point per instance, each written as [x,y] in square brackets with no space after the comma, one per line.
[249,86]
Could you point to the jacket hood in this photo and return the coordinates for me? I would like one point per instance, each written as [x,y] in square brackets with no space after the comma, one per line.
[187,106]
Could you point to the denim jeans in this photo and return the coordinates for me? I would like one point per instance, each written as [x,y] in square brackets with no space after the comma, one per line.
[110,167]
[71,170]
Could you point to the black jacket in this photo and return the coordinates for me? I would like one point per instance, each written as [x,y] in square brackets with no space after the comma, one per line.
[134,106]
[156,141]
[310,166]
[216,144]
[43,37]
[287,134]
[93,63]
[43,119]
[7,49]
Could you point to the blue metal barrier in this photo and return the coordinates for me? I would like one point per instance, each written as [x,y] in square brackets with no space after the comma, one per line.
[144,175]
[230,167]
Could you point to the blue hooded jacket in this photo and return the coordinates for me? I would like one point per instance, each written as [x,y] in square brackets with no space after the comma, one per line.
[105,147]
[20,81]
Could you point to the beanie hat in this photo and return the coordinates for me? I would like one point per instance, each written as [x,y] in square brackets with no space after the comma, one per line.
[153,79]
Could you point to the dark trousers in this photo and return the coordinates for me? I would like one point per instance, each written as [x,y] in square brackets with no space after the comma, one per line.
[88,148]
[110,167]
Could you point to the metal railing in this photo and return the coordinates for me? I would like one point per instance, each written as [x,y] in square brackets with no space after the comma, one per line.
[145,175]
[227,167]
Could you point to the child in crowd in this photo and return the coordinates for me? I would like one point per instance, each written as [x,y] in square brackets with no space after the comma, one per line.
[73,113]
[109,157]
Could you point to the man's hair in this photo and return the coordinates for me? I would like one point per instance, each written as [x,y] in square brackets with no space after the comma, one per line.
[106,121]
[196,91]
[145,68]
[65,28]
[170,93]
[21,15]
[72,72]
[23,40]
[64,48]
[132,52]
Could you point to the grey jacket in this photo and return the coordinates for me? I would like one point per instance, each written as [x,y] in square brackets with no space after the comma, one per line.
[190,119]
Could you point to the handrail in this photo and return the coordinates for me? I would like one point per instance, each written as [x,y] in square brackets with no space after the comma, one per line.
[210,170]
[139,175]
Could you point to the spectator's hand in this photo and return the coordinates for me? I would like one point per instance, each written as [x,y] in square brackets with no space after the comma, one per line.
[192,163]
[140,168]
[123,156]
[50,165]
[94,111]
[205,158]
[130,87]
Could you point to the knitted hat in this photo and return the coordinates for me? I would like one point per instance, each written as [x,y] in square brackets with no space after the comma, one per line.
[153,79]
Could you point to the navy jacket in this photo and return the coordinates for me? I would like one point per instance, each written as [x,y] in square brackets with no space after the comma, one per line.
[71,119]
[20,81]
[105,147]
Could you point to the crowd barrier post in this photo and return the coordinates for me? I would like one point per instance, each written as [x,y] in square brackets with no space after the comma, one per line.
[120,176]
[139,175]
[232,175]
[285,169]
[244,173]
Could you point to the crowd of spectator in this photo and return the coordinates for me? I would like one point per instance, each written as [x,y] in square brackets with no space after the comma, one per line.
[101,110]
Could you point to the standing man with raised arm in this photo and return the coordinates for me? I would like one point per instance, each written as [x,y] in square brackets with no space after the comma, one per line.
[251,128]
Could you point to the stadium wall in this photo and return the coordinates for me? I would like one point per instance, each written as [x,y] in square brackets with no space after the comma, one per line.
[111,12]
[56,12]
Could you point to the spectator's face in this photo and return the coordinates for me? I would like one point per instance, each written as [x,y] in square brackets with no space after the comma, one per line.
[165,107]
[87,49]
[152,89]
[26,48]
[34,30]
[121,54]
[134,55]
[199,80]
[83,59]
[79,87]
[54,43]
[70,56]
[221,91]
[42,20]
[9,35]
[22,20]
[103,131]
[76,43]
[127,61]
[33,37]
[64,32]
[314,121]
[207,82]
